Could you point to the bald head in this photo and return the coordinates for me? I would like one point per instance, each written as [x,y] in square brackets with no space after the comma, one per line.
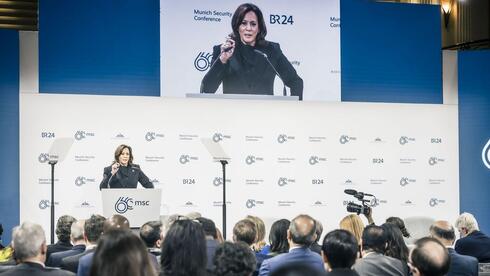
[302,230]
[430,257]
[116,222]
[443,231]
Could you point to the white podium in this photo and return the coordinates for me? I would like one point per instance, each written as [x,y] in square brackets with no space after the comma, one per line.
[137,205]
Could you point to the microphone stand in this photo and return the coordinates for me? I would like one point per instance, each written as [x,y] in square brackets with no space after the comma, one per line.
[284,93]
[52,163]
[223,166]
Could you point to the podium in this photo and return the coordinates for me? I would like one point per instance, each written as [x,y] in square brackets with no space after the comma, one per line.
[137,205]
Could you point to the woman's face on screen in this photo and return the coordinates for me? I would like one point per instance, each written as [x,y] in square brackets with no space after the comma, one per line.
[124,157]
[249,28]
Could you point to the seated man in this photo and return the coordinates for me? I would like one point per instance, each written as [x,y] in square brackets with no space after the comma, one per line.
[63,227]
[78,241]
[245,231]
[233,259]
[150,233]
[339,251]
[473,242]
[211,240]
[429,258]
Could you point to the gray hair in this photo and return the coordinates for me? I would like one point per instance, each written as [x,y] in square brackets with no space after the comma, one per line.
[467,221]
[77,230]
[27,240]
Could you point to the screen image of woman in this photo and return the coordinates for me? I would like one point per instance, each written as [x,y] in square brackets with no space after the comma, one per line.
[246,63]
[123,173]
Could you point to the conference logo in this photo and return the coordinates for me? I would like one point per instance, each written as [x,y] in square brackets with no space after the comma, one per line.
[150,136]
[188,181]
[317,181]
[281,19]
[202,62]
[85,204]
[218,137]
[344,139]
[123,204]
[47,135]
[43,158]
[404,181]
[283,181]
[120,136]
[436,140]
[319,203]
[378,140]
[252,203]
[313,160]
[433,202]
[81,134]
[218,181]
[408,202]
[185,158]
[81,180]
[45,204]
[435,160]
[485,154]
[348,182]
[283,138]
[189,204]
[252,159]
[405,140]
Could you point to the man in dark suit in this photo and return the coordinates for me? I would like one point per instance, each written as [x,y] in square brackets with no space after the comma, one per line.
[461,265]
[150,233]
[315,247]
[30,248]
[93,230]
[245,231]
[78,241]
[211,240]
[473,242]
[429,257]
[63,234]
[339,251]
[301,234]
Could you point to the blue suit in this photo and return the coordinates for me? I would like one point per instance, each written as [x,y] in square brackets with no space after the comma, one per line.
[301,255]
[55,258]
[475,244]
[462,265]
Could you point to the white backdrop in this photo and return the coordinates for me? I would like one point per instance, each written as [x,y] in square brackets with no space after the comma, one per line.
[305,153]
[309,38]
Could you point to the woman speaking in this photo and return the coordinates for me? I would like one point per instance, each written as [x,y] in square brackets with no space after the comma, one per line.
[246,63]
[123,173]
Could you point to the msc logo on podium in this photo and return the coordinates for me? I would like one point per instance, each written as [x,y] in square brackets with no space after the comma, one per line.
[123,204]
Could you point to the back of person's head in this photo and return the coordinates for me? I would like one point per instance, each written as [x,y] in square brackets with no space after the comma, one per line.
[234,259]
[278,236]
[353,224]
[76,231]
[28,241]
[302,230]
[398,222]
[443,231]
[245,231]
[429,258]
[209,227]
[120,252]
[259,226]
[396,247]
[193,215]
[63,227]
[318,230]
[184,249]
[340,249]
[467,223]
[93,228]
[150,233]
[297,269]
[374,238]
[116,222]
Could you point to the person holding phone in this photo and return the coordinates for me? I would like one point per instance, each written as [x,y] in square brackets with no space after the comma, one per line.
[246,63]
[123,173]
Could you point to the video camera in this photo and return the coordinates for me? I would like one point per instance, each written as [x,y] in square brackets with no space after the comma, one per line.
[362,208]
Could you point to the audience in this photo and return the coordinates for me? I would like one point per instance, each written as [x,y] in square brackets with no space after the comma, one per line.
[429,258]
[234,259]
[211,240]
[278,237]
[373,261]
[398,222]
[150,234]
[339,251]
[184,250]
[315,247]
[395,245]
[120,252]
[301,235]
[29,243]
[461,265]
[63,227]
[353,223]
[259,243]
[78,241]
[246,231]
[472,242]
[297,269]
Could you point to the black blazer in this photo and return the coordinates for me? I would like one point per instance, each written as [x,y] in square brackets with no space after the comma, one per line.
[248,72]
[35,269]
[476,244]
[57,247]
[126,177]
[71,262]
[55,258]
[462,265]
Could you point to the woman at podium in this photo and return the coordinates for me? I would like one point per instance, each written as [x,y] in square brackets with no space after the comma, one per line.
[123,173]
[246,63]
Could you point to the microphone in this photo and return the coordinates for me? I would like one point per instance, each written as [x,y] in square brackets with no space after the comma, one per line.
[350,192]
[284,93]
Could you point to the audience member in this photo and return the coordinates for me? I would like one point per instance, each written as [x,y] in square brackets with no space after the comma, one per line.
[301,235]
[211,240]
[92,232]
[246,231]
[234,259]
[150,233]
[353,223]
[120,252]
[429,258]
[184,250]
[259,243]
[398,222]
[472,242]
[63,227]
[297,269]
[395,247]
[339,251]
[278,237]
[315,247]
[78,241]
[29,243]
[373,261]
[460,265]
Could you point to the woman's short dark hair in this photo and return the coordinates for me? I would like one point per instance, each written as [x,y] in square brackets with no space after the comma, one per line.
[63,228]
[278,236]
[400,224]
[396,247]
[120,252]
[184,249]
[238,16]
[234,259]
[119,151]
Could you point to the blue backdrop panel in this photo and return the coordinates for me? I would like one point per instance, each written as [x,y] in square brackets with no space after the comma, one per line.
[474,133]
[99,47]
[390,52]
[9,124]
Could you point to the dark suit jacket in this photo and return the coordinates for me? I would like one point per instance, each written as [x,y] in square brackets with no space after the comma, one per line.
[297,255]
[211,246]
[475,244]
[126,177]
[248,72]
[342,272]
[57,247]
[71,263]
[34,269]
[55,258]
[376,264]
[462,265]
[315,247]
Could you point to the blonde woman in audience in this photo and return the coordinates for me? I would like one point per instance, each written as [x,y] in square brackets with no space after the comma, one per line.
[260,229]
[353,223]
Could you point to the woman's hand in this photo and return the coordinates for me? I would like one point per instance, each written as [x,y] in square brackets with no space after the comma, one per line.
[115,168]
[227,50]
